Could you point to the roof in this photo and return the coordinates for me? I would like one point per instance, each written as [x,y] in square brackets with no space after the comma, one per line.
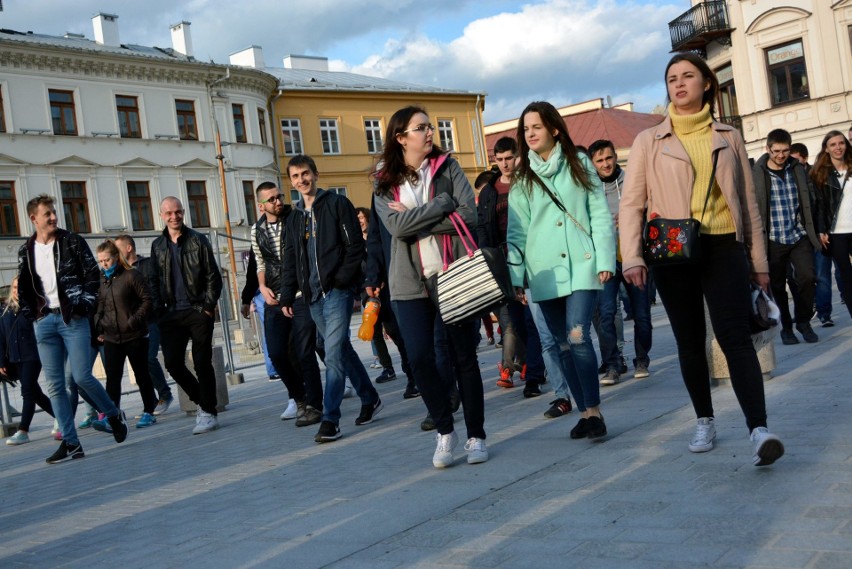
[310,80]
[617,125]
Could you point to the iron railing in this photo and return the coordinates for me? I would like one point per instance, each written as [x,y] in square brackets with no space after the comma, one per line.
[702,23]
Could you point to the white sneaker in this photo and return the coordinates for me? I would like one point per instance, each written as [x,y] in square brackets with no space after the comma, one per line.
[19,438]
[767,447]
[443,456]
[705,434]
[205,422]
[476,451]
[291,411]
[348,390]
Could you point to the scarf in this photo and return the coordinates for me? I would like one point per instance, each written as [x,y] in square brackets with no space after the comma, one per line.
[547,168]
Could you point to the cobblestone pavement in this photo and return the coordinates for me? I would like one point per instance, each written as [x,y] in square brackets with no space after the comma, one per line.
[260,493]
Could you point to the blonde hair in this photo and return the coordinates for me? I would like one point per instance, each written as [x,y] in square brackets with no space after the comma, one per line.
[110,247]
[12,300]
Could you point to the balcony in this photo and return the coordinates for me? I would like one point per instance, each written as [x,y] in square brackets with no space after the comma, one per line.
[700,25]
[735,121]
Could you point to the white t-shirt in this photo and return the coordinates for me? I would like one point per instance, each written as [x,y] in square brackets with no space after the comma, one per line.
[46,268]
[844,212]
[414,195]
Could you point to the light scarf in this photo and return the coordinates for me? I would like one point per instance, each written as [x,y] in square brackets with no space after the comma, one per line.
[415,195]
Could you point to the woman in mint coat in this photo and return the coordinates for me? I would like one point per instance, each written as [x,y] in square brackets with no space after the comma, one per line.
[559,218]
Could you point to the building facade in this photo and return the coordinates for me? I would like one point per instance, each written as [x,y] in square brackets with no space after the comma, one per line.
[109,129]
[780,64]
[340,118]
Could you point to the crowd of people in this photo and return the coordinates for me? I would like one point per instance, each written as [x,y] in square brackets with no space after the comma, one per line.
[569,220]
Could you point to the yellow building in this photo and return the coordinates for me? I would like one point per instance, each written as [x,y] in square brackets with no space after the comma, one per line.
[339,119]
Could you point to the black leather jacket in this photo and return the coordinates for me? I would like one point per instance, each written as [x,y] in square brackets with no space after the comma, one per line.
[828,198]
[272,259]
[77,277]
[199,271]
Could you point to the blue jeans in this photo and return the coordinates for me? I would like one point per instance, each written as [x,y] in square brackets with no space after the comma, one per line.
[155,370]
[569,319]
[822,268]
[556,375]
[607,306]
[56,340]
[260,308]
[332,314]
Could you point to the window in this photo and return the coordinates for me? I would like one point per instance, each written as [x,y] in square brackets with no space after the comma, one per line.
[251,206]
[788,78]
[340,190]
[445,135]
[187,129]
[295,196]
[239,123]
[373,129]
[128,116]
[8,210]
[2,113]
[199,215]
[75,206]
[141,212]
[291,131]
[62,112]
[261,123]
[329,137]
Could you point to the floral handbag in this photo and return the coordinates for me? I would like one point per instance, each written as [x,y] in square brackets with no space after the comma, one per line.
[667,242]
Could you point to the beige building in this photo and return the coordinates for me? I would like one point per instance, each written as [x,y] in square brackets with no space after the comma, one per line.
[780,64]
[339,119]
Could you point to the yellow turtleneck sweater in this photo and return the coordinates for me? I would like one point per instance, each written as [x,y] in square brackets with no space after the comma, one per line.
[695,134]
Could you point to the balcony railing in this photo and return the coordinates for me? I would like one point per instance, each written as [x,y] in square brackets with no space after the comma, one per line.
[700,25]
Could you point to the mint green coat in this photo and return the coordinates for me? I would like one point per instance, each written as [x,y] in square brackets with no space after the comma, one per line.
[558,257]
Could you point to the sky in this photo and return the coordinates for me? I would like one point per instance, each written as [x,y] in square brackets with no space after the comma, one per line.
[562,51]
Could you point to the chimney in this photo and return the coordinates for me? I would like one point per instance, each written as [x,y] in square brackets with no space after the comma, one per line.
[181,39]
[306,62]
[106,29]
[249,57]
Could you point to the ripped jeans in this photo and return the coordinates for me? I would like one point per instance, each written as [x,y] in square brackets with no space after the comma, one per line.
[569,319]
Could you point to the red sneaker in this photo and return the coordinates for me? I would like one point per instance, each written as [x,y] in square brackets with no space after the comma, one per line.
[505,377]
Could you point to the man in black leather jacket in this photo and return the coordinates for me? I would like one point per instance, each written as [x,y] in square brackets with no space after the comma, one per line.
[188,285]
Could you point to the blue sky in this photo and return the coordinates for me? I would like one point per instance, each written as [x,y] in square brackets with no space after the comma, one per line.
[564,51]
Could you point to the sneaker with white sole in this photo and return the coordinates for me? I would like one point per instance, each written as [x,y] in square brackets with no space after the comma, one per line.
[611,377]
[476,450]
[348,390]
[767,447]
[204,423]
[705,434]
[19,438]
[641,371]
[291,412]
[443,456]
[163,406]
[66,452]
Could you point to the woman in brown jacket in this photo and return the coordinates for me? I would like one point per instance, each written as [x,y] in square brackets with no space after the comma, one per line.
[668,175]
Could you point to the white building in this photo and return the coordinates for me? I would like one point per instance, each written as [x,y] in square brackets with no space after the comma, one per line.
[780,64]
[109,129]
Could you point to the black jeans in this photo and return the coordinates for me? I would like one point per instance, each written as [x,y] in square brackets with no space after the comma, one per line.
[841,247]
[801,256]
[722,280]
[417,320]
[136,351]
[176,330]
[292,349]
[387,323]
[31,392]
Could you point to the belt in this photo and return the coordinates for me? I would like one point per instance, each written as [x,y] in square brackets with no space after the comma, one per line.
[47,311]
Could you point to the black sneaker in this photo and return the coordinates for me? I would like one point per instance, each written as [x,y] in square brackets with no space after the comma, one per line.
[119,426]
[826,321]
[368,413]
[388,374]
[66,452]
[788,338]
[411,392]
[558,408]
[311,416]
[428,424]
[581,430]
[622,367]
[807,333]
[327,433]
[602,369]
[532,389]
[597,427]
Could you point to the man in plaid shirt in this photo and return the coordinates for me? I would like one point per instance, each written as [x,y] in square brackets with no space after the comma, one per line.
[784,197]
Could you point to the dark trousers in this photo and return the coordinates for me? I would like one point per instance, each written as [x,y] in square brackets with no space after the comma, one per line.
[135,351]
[31,393]
[417,319]
[176,330]
[801,257]
[528,334]
[841,247]
[387,323]
[291,344]
[722,280]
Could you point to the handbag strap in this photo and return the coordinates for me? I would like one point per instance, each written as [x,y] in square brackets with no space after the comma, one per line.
[710,185]
[464,233]
[565,211]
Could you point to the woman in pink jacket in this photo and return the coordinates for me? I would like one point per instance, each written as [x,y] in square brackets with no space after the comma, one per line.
[670,169]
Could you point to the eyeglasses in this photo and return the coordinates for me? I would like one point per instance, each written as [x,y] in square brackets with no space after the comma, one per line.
[420,128]
[276,198]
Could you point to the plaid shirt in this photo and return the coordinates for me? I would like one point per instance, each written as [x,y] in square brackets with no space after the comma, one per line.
[784,226]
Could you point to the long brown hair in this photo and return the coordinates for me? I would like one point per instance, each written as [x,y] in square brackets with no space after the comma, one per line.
[391,169]
[823,167]
[552,120]
[709,97]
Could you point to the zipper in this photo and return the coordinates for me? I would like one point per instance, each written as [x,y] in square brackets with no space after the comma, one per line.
[316,255]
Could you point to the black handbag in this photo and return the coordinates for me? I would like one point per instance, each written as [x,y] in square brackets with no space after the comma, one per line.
[667,242]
